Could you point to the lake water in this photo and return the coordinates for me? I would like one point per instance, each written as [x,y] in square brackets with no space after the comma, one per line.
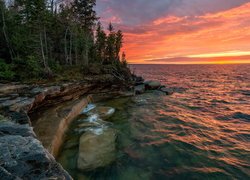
[202,131]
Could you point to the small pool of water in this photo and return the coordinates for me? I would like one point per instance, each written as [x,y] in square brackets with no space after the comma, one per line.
[119,121]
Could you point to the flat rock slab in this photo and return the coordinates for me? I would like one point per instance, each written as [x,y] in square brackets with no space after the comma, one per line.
[22,156]
[53,123]
[97,150]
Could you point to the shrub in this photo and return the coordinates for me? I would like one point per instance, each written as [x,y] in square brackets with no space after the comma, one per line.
[28,69]
[6,72]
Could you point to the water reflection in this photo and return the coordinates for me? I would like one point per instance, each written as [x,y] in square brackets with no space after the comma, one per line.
[200,132]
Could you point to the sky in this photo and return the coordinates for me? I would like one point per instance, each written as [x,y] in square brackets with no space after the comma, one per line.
[181,31]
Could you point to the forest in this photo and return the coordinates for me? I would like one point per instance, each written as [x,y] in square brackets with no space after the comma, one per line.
[43,39]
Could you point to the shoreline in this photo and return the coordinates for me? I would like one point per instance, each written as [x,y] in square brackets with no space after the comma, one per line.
[20,103]
[17,101]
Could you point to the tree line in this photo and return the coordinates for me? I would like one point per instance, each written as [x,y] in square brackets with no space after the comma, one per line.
[38,38]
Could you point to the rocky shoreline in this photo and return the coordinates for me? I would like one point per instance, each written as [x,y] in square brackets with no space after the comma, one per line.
[22,155]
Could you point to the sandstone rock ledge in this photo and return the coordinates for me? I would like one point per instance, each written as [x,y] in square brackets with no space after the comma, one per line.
[22,156]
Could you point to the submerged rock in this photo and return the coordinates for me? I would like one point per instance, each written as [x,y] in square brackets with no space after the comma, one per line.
[96,149]
[152,85]
[168,91]
[102,112]
[140,89]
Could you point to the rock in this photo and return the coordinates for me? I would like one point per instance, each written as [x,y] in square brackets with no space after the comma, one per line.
[9,128]
[87,125]
[24,105]
[138,80]
[140,89]
[20,117]
[22,156]
[152,85]
[103,112]
[167,91]
[96,149]
[10,88]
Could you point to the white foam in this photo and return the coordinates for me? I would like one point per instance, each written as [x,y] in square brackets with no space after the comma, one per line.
[89,108]
[93,118]
[98,130]
[111,111]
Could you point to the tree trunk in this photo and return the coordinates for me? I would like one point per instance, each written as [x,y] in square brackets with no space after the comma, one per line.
[42,51]
[6,36]
[65,47]
[70,49]
[46,44]
[76,51]
[52,6]
[87,51]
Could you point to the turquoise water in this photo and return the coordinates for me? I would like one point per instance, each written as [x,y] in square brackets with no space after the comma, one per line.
[200,132]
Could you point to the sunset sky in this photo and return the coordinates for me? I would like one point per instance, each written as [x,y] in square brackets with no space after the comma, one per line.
[181,31]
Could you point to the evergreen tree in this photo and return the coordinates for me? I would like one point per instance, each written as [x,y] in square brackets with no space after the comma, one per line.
[110,49]
[118,43]
[39,36]
[100,44]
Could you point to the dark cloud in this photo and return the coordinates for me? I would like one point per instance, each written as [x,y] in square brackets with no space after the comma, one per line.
[134,12]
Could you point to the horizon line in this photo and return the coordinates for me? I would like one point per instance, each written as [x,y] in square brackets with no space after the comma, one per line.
[189,63]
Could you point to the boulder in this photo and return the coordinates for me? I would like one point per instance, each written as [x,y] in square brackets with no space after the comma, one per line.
[168,91]
[140,89]
[152,85]
[138,80]
[96,149]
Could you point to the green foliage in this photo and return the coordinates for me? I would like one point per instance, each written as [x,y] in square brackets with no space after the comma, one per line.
[124,60]
[39,39]
[55,66]
[28,68]
[6,72]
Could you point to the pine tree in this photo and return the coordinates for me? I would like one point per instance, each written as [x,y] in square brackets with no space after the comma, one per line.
[110,49]
[118,44]
[85,18]
[100,43]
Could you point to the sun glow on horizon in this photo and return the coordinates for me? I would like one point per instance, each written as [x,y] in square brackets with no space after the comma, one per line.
[223,35]
[221,54]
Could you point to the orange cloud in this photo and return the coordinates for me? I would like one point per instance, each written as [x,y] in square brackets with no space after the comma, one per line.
[173,36]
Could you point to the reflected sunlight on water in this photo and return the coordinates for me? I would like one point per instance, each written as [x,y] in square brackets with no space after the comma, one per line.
[200,132]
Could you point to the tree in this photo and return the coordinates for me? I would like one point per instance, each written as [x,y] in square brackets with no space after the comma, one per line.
[110,49]
[38,36]
[118,43]
[124,60]
[85,17]
[100,43]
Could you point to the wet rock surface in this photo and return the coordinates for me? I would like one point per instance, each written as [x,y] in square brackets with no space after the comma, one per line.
[152,85]
[168,91]
[96,149]
[22,156]
[103,112]
[140,89]
[142,86]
